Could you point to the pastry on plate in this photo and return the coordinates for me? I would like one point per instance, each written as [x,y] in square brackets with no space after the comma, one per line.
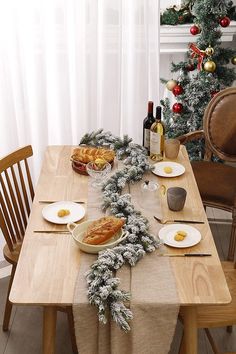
[103,229]
[180,235]
[168,169]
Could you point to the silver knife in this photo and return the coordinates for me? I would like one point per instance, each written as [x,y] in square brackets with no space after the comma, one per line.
[185,255]
[54,201]
[52,231]
[189,221]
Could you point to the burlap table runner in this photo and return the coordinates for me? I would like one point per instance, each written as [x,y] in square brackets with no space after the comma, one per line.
[154,301]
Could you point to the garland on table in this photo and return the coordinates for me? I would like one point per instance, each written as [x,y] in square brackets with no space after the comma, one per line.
[103,289]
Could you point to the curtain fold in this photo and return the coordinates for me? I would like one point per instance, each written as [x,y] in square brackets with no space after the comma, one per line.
[68,67]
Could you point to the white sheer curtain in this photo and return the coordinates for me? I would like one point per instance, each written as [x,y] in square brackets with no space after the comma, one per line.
[72,66]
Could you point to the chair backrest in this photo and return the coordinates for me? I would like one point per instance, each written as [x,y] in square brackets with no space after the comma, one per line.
[219,124]
[16,195]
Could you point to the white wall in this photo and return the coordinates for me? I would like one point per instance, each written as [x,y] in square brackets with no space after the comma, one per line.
[167,3]
[164,4]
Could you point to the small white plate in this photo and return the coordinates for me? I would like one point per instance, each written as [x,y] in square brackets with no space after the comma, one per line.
[50,211]
[167,234]
[177,169]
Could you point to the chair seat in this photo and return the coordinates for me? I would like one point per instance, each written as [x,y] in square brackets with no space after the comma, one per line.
[216,183]
[221,315]
[12,257]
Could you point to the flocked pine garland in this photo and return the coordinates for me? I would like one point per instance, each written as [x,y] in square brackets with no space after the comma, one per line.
[103,289]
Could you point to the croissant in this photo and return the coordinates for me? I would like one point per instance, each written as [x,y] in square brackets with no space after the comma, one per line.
[90,154]
[102,230]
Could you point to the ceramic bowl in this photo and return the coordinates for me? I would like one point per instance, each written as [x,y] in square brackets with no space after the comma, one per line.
[78,230]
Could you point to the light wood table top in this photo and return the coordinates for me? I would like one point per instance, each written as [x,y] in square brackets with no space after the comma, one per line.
[49,263]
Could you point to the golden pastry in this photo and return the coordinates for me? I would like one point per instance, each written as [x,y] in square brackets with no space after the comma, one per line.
[168,169]
[182,233]
[100,163]
[63,212]
[179,237]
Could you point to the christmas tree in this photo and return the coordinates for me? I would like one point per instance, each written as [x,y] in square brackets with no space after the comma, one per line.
[204,73]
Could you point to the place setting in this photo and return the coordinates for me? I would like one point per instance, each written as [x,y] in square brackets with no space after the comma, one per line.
[169,168]
[177,233]
[61,213]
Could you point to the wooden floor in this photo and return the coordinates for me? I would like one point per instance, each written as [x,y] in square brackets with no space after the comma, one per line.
[25,334]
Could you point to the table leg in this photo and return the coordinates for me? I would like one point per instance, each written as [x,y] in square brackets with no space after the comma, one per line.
[49,329]
[190,330]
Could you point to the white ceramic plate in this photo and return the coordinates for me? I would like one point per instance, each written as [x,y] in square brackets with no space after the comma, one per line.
[79,230]
[167,234]
[50,211]
[177,169]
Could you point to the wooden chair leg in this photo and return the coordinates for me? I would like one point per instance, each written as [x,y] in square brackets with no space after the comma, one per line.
[181,348]
[232,243]
[72,329]
[8,306]
[211,341]
[229,329]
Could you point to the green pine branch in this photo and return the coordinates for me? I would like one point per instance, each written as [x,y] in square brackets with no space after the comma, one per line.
[201,85]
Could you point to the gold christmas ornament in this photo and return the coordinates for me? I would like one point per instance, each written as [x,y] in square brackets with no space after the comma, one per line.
[171,84]
[233,60]
[209,51]
[210,66]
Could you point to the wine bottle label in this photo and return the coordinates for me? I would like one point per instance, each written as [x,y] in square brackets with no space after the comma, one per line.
[155,143]
[147,138]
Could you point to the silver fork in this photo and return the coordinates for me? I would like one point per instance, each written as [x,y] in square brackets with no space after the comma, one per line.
[165,221]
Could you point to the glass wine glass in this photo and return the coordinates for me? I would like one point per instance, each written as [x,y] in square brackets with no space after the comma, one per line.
[98,174]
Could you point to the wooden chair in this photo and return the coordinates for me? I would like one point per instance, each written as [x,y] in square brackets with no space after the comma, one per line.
[210,316]
[217,186]
[16,196]
[217,181]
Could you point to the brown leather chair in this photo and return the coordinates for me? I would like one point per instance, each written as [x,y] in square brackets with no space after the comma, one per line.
[217,181]
[217,186]
[16,196]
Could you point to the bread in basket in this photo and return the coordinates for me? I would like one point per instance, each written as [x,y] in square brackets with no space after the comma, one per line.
[85,154]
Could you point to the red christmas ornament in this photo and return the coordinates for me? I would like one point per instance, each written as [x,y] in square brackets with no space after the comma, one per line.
[177,90]
[190,67]
[177,107]
[224,21]
[194,30]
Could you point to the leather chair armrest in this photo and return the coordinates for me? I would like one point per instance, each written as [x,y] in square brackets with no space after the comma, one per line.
[198,134]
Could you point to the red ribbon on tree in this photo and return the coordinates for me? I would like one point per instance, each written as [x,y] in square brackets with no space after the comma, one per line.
[200,54]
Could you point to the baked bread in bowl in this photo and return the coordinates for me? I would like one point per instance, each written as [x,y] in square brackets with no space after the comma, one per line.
[101,230]
[81,231]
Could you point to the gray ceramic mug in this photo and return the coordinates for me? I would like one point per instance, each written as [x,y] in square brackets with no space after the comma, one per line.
[176,197]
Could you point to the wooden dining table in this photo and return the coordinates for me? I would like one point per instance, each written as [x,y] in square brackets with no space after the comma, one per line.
[49,262]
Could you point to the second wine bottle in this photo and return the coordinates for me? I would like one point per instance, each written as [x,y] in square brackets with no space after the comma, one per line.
[157,132]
